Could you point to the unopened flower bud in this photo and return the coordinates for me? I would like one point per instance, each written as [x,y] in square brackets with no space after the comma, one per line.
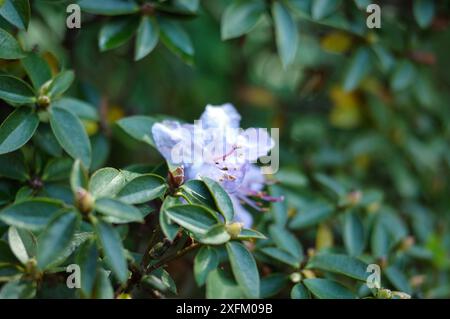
[354,198]
[295,277]
[176,178]
[43,90]
[84,201]
[124,296]
[43,101]
[234,229]
[308,273]
[384,294]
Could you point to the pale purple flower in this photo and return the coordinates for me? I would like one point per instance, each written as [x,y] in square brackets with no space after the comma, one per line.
[216,147]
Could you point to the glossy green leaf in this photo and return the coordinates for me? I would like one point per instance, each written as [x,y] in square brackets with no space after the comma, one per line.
[240,17]
[113,250]
[138,127]
[11,49]
[14,90]
[194,218]
[78,176]
[143,189]
[198,193]
[221,198]
[146,38]
[247,234]
[57,169]
[61,83]
[80,108]
[341,264]
[286,241]
[205,261]
[117,212]
[299,291]
[37,69]
[16,12]
[17,129]
[109,7]
[221,286]
[281,256]
[46,141]
[286,33]
[169,228]
[106,182]
[116,33]
[176,39]
[103,288]
[216,235]
[22,243]
[33,214]
[244,269]
[327,289]
[70,133]
[56,237]
[403,75]
[12,165]
[86,258]
[18,289]
[272,284]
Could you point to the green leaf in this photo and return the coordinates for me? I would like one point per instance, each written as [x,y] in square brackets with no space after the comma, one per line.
[354,238]
[299,291]
[247,234]
[16,12]
[33,214]
[205,261]
[109,7]
[194,218]
[17,129]
[18,289]
[22,244]
[311,215]
[106,182]
[160,280]
[398,279]
[116,33]
[78,176]
[281,255]
[286,33]
[117,212]
[57,169]
[113,250]
[286,241]
[327,289]
[146,38]
[380,240]
[11,49]
[169,228]
[403,75]
[103,288]
[45,140]
[56,237]
[221,198]
[61,83]
[216,235]
[37,69]
[80,108]
[138,127]
[424,11]
[341,264]
[70,133]
[14,90]
[323,8]
[240,17]
[359,66]
[244,268]
[197,193]
[12,165]
[272,284]
[86,258]
[143,189]
[221,286]
[176,39]
[7,256]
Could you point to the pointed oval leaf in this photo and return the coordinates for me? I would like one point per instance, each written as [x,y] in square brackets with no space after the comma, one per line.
[56,237]
[240,17]
[327,289]
[146,38]
[341,264]
[61,83]
[106,182]
[286,33]
[138,127]
[70,133]
[22,243]
[17,129]
[354,238]
[11,49]
[205,261]
[143,189]
[109,7]
[116,33]
[117,212]
[221,198]
[16,12]
[359,66]
[424,11]
[14,90]
[177,40]
[37,69]
[113,250]
[299,291]
[195,218]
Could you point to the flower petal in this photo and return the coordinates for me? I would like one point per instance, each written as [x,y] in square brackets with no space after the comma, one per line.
[222,116]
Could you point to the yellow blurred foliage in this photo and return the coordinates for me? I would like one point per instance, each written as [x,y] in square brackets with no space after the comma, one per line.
[91,127]
[336,42]
[115,113]
[324,237]
[346,111]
